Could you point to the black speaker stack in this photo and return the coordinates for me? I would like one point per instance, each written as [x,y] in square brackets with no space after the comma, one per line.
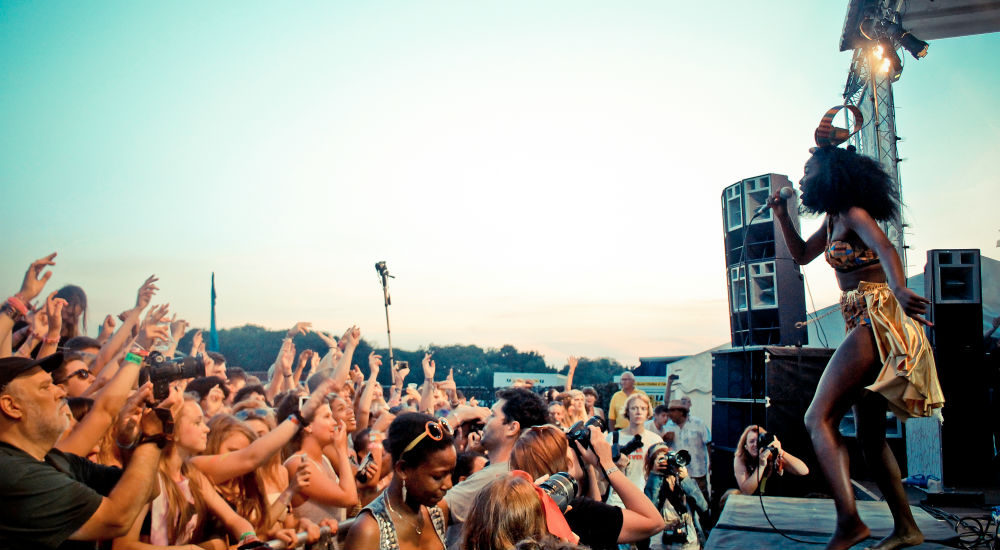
[766,293]
[771,387]
[952,281]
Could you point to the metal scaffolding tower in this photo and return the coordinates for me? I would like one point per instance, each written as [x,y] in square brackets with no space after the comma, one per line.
[871,92]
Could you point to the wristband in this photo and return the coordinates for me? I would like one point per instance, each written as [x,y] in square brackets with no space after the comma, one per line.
[18,304]
[297,418]
[10,311]
[133,358]
[611,470]
[160,439]
[51,340]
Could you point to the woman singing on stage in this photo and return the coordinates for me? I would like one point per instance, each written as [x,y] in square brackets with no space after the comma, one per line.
[885,360]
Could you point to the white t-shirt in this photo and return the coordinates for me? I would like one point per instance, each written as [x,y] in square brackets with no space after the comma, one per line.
[635,469]
[693,438]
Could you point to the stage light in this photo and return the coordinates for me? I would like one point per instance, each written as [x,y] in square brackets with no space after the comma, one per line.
[888,62]
[917,47]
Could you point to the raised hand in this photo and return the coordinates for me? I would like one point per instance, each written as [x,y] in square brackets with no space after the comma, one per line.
[196,342]
[107,327]
[39,323]
[399,374]
[146,292]
[357,376]
[353,336]
[178,327]
[53,310]
[429,366]
[34,279]
[374,364]
[301,327]
[572,362]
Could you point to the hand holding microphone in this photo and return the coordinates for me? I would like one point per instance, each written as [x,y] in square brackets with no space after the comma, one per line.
[776,202]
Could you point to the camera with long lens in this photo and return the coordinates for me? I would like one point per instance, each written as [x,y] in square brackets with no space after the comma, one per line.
[635,443]
[674,460]
[561,487]
[162,371]
[581,431]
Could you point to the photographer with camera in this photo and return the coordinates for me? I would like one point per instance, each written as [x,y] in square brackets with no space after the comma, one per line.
[677,496]
[51,497]
[759,455]
[544,450]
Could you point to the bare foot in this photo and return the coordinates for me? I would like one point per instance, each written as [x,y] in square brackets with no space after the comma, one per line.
[846,536]
[901,539]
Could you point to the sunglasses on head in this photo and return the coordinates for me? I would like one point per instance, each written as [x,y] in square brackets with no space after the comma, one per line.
[82,374]
[252,413]
[434,429]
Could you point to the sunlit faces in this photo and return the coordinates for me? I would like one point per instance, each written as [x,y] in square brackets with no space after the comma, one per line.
[213,401]
[258,426]
[557,414]
[343,411]
[190,429]
[578,403]
[638,411]
[428,482]
[234,442]
[808,172]
[628,381]
[751,444]
[323,425]
[493,430]
[77,378]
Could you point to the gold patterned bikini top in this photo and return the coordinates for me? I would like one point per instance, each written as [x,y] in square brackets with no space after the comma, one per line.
[845,257]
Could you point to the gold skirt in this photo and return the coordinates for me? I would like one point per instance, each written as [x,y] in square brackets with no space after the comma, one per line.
[908,379]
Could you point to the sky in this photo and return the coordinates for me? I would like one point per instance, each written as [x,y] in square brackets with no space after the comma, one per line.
[542,174]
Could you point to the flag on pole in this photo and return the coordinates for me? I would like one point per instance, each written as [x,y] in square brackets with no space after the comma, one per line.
[213,334]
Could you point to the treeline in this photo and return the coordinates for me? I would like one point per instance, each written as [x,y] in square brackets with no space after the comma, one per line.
[254,348]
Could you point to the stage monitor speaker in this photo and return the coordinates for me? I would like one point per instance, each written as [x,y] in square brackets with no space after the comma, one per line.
[771,387]
[764,306]
[953,283]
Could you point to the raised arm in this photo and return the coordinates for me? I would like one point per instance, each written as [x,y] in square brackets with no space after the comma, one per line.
[282,369]
[119,510]
[364,403]
[16,306]
[322,488]
[801,251]
[640,518]
[427,390]
[572,362]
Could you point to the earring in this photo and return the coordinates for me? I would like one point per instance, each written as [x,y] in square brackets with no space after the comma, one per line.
[404,489]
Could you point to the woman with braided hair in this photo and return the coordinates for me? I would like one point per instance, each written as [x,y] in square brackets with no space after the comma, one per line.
[885,360]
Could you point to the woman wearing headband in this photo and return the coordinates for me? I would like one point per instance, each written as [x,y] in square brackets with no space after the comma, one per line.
[885,360]
[411,512]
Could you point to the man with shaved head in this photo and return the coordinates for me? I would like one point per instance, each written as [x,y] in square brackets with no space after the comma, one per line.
[616,410]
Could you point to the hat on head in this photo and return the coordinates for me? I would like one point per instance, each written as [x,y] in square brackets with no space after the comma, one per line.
[678,404]
[12,367]
[828,135]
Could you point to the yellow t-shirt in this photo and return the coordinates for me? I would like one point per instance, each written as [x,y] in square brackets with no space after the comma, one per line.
[616,409]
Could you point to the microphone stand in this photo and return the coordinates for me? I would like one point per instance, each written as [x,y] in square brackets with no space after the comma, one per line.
[383,273]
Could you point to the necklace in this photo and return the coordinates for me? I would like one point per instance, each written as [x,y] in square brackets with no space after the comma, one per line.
[416,526]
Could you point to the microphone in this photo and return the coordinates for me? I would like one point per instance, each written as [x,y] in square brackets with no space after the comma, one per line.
[785,193]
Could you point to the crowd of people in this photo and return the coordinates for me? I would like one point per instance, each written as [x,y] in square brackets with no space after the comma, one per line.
[124,441]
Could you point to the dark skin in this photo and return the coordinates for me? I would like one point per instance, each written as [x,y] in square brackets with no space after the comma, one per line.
[854,365]
[426,485]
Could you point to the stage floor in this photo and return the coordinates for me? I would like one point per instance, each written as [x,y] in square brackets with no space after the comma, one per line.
[742,524]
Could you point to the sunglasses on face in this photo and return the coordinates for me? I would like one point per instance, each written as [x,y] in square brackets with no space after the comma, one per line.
[252,413]
[434,429]
[82,374]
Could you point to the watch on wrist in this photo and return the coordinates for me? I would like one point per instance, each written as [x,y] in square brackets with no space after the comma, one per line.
[160,439]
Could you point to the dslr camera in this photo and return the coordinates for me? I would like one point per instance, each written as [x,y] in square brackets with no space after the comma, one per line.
[766,443]
[673,460]
[561,487]
[581,431]
[635,443]
[162,371]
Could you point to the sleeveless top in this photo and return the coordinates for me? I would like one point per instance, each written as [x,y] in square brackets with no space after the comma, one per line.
[314,510]
[387,529]
[845,257]
[160,516]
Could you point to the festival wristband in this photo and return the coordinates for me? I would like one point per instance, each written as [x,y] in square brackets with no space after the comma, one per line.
[133,358]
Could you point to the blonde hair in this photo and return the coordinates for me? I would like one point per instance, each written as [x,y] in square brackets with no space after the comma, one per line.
[505,512]
[644,398]
[741,448]
[572,417]
[540,450]
[179,509]
[244,493]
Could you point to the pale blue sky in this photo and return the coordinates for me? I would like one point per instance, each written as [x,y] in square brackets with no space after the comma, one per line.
[544,174]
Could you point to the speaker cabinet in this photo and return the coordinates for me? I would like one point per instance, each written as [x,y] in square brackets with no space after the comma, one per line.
[771,387]
[766,293]
[952,281]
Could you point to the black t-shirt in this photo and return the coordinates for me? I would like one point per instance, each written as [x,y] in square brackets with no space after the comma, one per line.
[43,503]
[597,524]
